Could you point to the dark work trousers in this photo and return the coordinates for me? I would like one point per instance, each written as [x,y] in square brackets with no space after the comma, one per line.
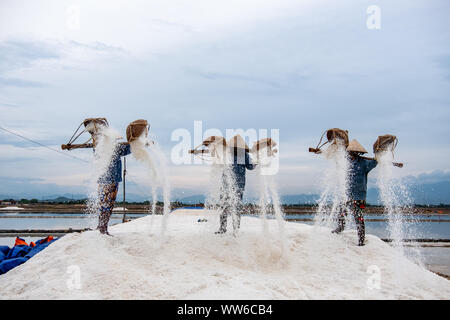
[228,201]
[357,208]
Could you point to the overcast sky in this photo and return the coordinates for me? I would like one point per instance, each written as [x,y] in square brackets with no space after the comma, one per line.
[298,66]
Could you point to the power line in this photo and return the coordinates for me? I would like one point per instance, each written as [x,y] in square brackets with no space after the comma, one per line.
[43,145]
[67,155]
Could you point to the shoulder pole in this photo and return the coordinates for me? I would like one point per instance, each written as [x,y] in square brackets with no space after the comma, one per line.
[396,164]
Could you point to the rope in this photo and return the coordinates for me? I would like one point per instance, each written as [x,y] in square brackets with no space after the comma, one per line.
[395,146]
[72,138]
[71,156]
[321,138]
[42,145]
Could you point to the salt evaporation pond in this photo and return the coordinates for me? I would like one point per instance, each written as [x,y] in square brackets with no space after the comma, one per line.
[193,263]
[22,221]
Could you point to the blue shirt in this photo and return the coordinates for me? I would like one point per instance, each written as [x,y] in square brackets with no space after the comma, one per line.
[239,167]
[114,172]
[358,170]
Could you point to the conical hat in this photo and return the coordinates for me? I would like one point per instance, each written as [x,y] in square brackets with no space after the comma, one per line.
[237,142]
[355,146]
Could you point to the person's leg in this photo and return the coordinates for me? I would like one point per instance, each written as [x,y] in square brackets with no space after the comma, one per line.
[358,213]
[239,208]
[223,221]
[107,201]
[224,208]
[341,219]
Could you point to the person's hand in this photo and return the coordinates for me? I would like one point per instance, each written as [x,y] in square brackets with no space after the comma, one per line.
[253,159]
[399,165]
[314,150]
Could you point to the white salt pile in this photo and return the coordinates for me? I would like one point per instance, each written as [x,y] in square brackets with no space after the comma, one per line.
[120,209]
[193,263]
[11,208]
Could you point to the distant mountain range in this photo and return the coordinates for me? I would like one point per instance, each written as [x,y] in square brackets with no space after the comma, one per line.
[31,195]
[195,199]
[422,194]
[425,194]
[287,199]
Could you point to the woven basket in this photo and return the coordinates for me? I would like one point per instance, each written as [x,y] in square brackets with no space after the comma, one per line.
[384,143]
[336,133]
[136,128]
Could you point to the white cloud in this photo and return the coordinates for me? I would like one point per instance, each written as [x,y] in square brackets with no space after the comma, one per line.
[298,66]
[145,25]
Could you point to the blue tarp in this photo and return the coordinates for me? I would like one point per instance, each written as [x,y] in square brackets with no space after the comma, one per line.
[20,253]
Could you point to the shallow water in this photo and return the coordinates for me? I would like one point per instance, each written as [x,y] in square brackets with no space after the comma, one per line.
[381,216]
[418,229]
[52,221]
[59,215]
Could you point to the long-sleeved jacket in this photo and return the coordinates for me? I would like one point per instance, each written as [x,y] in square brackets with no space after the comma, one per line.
[358,170]
[114,172]
[239,167]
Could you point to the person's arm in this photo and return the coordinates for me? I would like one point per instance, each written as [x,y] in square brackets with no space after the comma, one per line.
[124,149]
[315,150]
[248,162]
[371,164]
[395,164]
